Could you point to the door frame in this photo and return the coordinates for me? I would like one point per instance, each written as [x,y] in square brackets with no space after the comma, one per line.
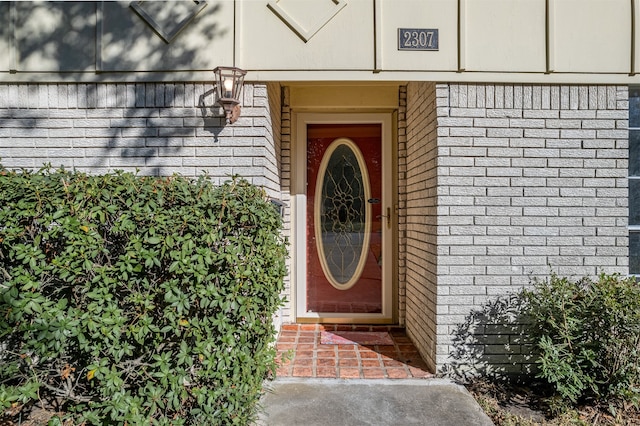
[299,216]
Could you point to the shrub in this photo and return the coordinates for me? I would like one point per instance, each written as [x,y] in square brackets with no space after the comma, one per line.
[587,333]
[137,300]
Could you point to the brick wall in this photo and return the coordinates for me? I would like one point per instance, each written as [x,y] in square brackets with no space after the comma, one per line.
[402,205]
[530,179]
[285,160]
[274,172]
[420,221]
[158,128]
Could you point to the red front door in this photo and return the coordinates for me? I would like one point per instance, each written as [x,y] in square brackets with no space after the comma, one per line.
[345,219]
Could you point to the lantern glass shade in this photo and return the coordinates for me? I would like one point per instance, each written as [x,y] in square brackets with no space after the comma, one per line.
[229,82]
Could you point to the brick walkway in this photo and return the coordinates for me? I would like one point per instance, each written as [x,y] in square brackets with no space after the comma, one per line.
[302,355]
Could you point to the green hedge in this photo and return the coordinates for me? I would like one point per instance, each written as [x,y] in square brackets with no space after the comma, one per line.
[137,300]
[587,337]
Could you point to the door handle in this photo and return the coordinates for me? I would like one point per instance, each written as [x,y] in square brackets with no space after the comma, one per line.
[388,216]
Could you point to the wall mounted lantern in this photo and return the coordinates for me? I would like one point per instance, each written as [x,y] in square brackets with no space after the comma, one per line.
[278,205]
[229,82]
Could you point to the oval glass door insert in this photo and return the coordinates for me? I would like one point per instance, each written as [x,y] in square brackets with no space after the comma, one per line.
[342,213]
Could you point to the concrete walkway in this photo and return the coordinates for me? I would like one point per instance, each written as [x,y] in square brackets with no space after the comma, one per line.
[356,402]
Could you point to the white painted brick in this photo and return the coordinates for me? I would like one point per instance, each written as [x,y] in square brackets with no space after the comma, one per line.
[104,113]
[33,99]
[504,113]
[600,163]
[472,97]
[511,172]
[467,131]
[577,134]
[184,112]
[110,96]
[53,143]
[580,114]
[540,172]
[542,133]
[176,132]
[545,100]
[165,122]
[528,162]
[101,132]
[490,182]
[541,251]
[598,124]
[4,96]
[505,133]
[544,153]
[613,115]
[142,112]
[466,112]
[19,94]
[563,124]
[490,122]
[248,131]
[504,152]
[455,122]
[92,123]
[527,123]
[67,113]
[612,134]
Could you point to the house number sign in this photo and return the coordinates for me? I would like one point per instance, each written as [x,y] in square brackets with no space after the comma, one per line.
[417,39]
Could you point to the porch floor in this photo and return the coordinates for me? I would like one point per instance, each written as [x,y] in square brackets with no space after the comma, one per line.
[301,354]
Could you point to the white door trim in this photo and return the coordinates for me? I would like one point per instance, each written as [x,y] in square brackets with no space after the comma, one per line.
[299,214]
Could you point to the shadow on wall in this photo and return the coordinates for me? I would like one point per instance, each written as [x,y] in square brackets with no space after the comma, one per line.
[61,36]
[134,125]
[213,114]
[493,342]
[154,127]
[168,124]
[54,36]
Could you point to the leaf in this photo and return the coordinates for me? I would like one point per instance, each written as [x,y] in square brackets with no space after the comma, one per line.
[91,373]
[66,371]
[55,421]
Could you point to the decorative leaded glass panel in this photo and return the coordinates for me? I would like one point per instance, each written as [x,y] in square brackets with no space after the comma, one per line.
[343,218]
